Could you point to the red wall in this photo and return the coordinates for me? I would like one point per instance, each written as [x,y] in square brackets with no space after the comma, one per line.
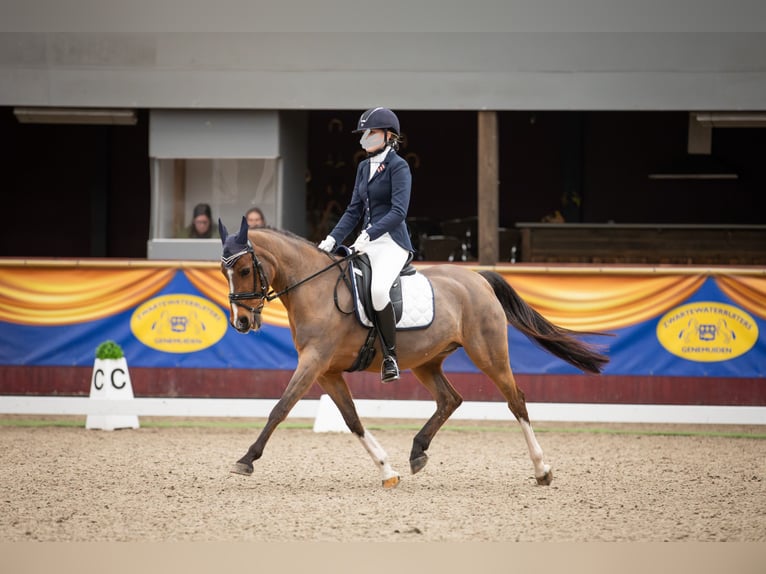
[233,383]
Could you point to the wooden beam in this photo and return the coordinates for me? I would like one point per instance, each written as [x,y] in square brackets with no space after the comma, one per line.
[488,187]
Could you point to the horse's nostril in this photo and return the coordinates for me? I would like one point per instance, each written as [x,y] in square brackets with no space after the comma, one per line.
[243,323]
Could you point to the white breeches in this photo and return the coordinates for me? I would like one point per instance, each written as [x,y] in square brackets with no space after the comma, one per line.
[386,259]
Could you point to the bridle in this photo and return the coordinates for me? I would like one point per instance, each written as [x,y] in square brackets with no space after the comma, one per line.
[263,295]
[266,293]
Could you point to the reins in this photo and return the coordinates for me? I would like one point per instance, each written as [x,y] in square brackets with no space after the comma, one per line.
[266,294]
[335,263]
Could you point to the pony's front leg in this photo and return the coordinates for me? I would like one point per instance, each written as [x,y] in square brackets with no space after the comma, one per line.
[336,387]
[299,384]
[388,475]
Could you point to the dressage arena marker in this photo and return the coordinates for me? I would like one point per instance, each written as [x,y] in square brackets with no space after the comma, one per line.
[111,382]
[328,417]
[384,409]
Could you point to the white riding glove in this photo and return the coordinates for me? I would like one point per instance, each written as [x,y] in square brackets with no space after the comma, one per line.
[327,243]
[361,242]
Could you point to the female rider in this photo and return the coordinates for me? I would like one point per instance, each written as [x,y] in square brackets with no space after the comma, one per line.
[380,201]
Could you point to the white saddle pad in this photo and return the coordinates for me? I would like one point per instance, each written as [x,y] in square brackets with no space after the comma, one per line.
[417,303]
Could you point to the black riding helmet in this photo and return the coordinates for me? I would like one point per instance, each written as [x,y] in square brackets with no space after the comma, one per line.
[378,119]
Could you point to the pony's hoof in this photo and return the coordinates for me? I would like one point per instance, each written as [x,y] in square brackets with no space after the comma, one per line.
[391,482]
[242,468]
[418,464]
[545,479]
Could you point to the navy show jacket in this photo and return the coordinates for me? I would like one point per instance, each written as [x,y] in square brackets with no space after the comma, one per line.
[380,203]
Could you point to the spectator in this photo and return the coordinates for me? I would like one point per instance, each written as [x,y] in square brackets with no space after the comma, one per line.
[201,226]
[255,218]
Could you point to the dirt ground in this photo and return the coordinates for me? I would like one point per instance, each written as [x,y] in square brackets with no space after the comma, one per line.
[172,483]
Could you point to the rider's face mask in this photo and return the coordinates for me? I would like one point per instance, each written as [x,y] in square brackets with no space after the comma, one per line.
[371,141]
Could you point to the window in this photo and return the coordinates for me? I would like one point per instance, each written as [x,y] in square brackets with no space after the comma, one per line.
[229,186]
[228,159]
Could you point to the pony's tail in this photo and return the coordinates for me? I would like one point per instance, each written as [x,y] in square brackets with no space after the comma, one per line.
[556,340]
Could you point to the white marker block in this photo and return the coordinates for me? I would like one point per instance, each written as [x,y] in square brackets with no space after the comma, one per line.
[328,417]
[111,381]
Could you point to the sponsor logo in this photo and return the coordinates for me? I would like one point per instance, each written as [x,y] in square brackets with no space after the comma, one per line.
[707,332]
[178,323]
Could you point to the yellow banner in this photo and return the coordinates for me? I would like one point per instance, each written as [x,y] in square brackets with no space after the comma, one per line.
[37,293]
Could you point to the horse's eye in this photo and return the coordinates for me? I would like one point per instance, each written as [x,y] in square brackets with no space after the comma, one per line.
[244,272]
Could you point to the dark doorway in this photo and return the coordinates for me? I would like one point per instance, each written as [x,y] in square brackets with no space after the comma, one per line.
[74,190]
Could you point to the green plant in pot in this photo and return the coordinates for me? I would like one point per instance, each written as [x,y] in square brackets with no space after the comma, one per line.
[109,350]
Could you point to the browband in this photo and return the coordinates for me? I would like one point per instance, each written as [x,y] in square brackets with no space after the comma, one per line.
[229,261]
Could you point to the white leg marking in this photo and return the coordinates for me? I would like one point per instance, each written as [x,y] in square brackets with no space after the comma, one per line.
[379,456]
[535,452]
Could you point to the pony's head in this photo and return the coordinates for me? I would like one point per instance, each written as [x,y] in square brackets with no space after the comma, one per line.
[248,286]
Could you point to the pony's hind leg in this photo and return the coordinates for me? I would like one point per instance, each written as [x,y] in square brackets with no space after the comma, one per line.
[447,401]
[338,390]
[543,472]
[495,365]
[518,406]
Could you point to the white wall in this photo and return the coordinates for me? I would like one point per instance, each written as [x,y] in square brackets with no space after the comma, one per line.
[343,54]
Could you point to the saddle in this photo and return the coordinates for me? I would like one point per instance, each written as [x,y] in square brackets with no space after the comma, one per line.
[410,286]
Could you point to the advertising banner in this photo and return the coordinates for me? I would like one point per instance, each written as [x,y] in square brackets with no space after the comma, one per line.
[699,324]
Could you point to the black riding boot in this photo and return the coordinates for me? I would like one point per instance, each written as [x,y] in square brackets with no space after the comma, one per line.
[385,321]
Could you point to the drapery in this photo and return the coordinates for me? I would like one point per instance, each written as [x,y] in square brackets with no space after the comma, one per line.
[586,302]
[164,314]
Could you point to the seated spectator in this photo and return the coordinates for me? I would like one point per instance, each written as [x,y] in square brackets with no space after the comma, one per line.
[201,226]
[255,218]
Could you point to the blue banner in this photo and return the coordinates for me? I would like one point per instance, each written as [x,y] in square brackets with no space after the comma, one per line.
[703,334]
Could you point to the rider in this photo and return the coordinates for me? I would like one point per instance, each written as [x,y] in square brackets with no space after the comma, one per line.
[380,201]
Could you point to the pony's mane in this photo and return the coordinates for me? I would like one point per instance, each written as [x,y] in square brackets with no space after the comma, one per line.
[289,235]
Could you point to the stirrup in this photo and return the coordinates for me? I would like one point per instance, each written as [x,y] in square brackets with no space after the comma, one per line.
[389,370]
